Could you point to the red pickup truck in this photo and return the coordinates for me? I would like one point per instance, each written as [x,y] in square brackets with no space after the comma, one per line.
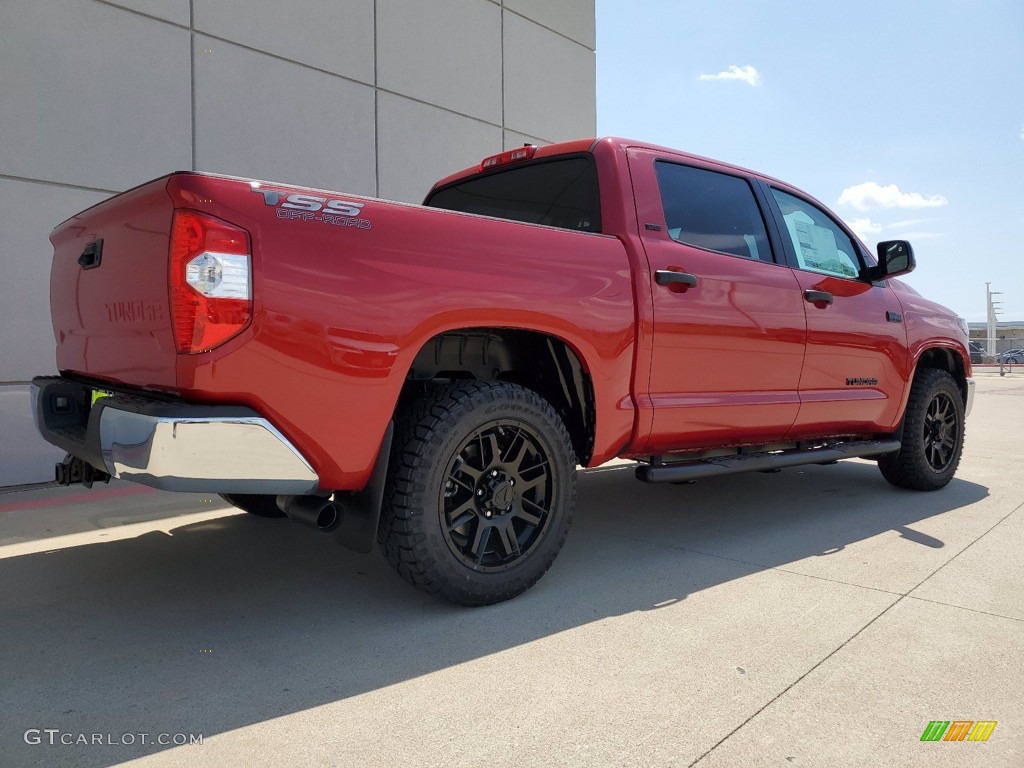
[430,376]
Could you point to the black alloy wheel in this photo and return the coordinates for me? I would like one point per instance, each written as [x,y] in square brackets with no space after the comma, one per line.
[941,432]
[933,434]
[496,498]
[480,493]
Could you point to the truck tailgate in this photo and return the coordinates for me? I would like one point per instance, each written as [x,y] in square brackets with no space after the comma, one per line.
[109,290]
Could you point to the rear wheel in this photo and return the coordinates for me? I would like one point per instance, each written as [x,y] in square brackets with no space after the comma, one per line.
[933,434]
[260,505]
[480,494]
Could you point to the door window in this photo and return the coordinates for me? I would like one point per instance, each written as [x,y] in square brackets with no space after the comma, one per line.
[818,242]
[712,210]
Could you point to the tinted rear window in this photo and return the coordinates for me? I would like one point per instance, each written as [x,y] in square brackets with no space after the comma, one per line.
[712,210]
[559,193]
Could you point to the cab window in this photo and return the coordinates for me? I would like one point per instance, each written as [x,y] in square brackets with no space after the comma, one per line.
[818,242]
[712,210]
[560,193]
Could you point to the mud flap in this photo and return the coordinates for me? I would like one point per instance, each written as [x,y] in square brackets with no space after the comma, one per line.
[358,528]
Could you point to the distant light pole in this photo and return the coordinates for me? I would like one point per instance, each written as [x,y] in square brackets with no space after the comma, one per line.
[992,317]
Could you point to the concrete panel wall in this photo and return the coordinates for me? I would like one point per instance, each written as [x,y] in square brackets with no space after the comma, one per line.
[550,82]
[409,167]
[379,97]
[451,58]
[334,36]
[268,118]
[176,11]
[572,18]
[92,95]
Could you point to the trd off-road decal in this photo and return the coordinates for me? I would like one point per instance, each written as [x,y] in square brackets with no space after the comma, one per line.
[340,213]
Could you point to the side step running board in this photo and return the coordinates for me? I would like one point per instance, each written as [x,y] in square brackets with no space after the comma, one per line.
[753,462]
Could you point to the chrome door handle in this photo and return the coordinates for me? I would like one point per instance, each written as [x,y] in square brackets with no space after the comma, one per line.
[668,277]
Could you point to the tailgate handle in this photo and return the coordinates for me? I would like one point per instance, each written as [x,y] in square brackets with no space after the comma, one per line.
[91,255]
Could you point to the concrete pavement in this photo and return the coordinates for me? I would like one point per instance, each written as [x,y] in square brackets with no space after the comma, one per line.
[813,617]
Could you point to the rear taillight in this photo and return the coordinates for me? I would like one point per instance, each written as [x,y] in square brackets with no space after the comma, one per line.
[210,281]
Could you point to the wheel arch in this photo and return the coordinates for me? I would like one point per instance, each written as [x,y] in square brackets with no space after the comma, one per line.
[945,359]
[941,358]
[543,362]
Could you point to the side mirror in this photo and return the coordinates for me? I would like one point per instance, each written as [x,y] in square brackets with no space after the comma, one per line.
[895,257]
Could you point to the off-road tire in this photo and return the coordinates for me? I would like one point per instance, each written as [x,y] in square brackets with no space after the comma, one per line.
[443,441]
[933,434]
[257,504]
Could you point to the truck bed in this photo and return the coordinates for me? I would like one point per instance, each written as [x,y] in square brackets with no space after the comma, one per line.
[340,303]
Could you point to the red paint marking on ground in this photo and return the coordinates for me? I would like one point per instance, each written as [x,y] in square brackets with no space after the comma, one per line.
[60,501]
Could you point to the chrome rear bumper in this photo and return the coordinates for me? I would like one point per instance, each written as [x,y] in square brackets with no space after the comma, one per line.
[169,445]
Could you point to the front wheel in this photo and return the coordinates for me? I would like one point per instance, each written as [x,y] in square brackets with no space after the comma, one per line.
[480,493]
[933,434]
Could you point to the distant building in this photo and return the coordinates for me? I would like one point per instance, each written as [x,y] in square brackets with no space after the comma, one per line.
[366,97]
[1009,334]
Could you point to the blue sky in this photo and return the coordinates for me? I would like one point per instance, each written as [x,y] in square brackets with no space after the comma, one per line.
[910,113]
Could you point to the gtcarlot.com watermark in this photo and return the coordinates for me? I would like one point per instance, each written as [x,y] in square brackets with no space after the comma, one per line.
[55,737]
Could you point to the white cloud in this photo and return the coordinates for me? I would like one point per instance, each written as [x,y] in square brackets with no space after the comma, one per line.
[917,235]
[1021,134]
[870,195]
[747,74]
[908,223]
[864,227]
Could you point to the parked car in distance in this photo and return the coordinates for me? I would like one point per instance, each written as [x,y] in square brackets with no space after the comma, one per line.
[977,352]
[1012,357]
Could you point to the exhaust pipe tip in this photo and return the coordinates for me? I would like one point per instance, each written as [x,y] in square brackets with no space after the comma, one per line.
[328,517]
[318,512]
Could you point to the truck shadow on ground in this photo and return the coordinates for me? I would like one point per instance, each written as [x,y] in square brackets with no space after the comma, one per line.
[238,620]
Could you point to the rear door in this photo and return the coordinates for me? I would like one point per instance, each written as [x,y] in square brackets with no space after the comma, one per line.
[856,367]
[728,314]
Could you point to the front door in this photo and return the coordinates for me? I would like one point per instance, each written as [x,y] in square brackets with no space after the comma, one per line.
[857,363]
